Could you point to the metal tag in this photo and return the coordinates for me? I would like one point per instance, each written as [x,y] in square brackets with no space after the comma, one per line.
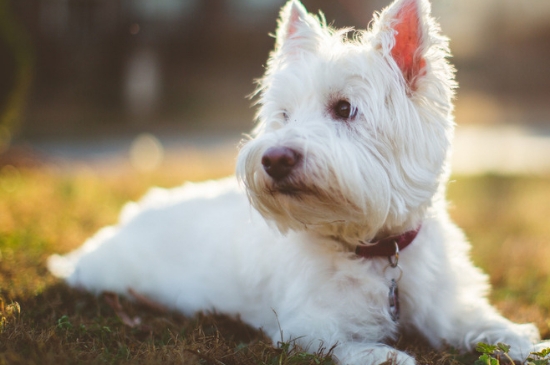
[393,297]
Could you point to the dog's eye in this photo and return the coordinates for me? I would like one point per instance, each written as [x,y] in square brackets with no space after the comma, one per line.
[285,116]
[343,110]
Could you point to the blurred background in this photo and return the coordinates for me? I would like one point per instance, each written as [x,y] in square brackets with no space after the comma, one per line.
[102,99]
[78,76]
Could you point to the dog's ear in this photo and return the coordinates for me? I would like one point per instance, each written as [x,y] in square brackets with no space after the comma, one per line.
[297,30]
[403,34]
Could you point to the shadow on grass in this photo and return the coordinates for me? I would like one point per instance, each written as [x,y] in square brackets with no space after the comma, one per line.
[62,325]
[66,326]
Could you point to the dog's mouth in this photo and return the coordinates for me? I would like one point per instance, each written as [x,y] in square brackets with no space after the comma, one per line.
[290,190]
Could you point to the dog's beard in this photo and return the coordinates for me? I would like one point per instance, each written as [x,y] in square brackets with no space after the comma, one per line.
[301,206]
[301,203]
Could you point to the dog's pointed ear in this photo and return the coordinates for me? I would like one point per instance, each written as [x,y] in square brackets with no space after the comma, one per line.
[296,29]
[404,34]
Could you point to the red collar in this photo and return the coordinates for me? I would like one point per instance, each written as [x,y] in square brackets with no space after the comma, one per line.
[386,247]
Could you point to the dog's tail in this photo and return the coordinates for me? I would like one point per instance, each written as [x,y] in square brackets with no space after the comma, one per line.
[63,266]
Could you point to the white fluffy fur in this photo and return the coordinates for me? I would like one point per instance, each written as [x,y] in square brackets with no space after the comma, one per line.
[287,263]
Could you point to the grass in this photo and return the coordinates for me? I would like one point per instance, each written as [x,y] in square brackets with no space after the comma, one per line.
[45,209]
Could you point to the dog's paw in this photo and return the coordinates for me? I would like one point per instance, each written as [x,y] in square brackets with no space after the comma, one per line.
[541,349]
[520,337]
[372,354]
[398,358]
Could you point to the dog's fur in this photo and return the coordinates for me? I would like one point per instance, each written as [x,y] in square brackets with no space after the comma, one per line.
[287,263]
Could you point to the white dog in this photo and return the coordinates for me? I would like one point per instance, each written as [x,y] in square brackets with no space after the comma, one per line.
[338,232]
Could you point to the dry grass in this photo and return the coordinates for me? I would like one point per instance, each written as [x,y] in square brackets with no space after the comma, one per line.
[44,209]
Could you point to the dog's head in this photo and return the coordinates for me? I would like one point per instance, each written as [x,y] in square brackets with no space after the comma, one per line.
[354,127]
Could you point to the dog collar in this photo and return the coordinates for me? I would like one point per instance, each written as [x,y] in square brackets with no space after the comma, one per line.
[386,247]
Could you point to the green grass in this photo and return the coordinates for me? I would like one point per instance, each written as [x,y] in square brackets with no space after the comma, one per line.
[45,210]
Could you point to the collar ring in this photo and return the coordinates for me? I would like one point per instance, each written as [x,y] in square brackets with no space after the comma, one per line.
[394,259]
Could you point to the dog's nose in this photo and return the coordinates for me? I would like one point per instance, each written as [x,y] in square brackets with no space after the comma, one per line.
[278,162]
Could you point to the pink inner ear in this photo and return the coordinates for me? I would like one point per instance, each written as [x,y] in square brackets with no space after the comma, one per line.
[407,42]
[293,21]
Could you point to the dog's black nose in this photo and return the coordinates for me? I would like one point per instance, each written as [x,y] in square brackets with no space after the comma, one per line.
[278,162]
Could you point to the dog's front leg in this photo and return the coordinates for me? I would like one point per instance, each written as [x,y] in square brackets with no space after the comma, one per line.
[463,325]
[348,347]
[444,296]
[482,323]
[452,309]
[358,353]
